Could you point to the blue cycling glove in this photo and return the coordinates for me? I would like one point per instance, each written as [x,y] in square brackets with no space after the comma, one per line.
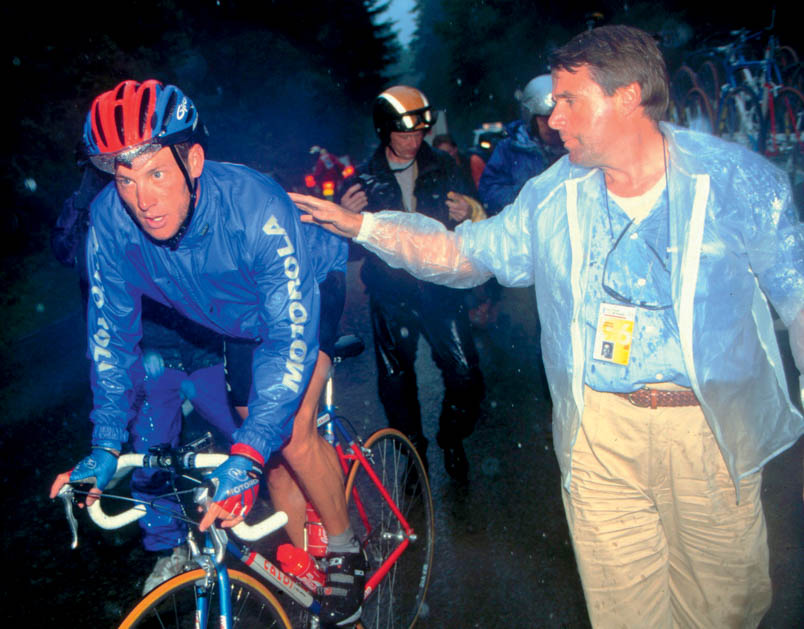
[98,468]
[236,485]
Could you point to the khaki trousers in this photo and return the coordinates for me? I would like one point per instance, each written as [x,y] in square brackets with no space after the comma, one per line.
[659,538]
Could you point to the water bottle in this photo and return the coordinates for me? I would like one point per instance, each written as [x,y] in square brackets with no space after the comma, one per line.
[314,533]
[301,565]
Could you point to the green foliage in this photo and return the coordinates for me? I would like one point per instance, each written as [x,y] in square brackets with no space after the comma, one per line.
[484,52]
[472,55]
[270,79]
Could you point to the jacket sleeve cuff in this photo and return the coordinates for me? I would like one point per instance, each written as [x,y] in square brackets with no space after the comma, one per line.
[107,438]
[247,451]
[365,227]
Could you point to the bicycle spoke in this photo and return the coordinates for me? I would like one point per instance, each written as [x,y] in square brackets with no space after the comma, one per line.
[399,585]
[174,605]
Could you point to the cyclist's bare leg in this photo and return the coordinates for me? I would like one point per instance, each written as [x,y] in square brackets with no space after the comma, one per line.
[287,496]
[314,464]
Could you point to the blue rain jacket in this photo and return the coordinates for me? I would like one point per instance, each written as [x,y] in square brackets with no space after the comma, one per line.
[735,243]
[515,159]
[242,269]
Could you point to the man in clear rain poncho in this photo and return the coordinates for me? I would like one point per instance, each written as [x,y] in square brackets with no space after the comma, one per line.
[656,254]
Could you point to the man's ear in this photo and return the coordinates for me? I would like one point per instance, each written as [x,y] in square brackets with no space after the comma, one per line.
[195,161]
[630,97]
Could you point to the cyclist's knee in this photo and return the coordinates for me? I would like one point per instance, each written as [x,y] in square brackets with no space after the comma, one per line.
[302,445]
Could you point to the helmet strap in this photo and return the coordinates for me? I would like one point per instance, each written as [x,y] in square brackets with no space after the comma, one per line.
[192,185]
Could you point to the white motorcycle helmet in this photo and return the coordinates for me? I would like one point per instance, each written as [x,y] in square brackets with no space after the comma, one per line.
[537,97]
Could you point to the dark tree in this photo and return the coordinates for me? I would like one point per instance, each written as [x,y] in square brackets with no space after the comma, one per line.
[270,80]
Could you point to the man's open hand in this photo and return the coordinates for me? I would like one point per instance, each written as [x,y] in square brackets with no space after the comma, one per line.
[329,215]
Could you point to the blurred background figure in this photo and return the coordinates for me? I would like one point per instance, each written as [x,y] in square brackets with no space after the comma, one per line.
[328,173]
[405,173]
[445,142]
[529,148]
[486,138]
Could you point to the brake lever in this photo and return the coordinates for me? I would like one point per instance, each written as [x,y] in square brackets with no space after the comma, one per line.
[67,493]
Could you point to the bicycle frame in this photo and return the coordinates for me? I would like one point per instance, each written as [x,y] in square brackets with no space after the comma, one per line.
[349,451]
[355,454]
[383,526]
[216,542]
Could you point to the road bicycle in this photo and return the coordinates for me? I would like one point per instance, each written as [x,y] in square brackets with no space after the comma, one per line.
[757,110]
[390,508]
[752,104]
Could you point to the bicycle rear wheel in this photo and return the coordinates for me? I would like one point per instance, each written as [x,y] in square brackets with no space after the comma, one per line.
[397,600]
[787,141]
[740,119]
[709,80]
[173,604]
[697,111]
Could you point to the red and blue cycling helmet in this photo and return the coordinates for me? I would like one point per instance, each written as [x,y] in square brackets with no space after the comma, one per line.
[137,118]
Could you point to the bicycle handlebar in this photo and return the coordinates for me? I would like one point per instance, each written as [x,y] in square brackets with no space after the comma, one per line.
[190,460]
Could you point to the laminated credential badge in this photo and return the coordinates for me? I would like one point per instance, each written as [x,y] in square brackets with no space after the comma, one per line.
[615,332]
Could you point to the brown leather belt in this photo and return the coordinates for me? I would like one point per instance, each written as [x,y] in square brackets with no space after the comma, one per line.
[653,398]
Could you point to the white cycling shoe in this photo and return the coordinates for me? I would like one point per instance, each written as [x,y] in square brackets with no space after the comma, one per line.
[168,567]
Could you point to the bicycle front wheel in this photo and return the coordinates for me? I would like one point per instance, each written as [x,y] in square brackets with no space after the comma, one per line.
[397,598]
[172,605]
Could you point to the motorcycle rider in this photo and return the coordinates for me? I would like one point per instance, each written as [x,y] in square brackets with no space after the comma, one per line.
[405,173]
[530,147]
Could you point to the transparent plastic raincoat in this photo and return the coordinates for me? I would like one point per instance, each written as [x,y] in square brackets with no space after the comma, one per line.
[735,243]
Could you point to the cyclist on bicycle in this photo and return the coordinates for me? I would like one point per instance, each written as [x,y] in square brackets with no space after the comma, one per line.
[223,245]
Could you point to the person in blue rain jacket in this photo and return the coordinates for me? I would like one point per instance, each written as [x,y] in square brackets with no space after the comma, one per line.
[222,245]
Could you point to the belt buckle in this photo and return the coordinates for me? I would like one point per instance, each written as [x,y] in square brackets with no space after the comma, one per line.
[653,398]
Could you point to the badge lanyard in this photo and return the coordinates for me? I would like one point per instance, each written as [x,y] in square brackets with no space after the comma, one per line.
[614,333]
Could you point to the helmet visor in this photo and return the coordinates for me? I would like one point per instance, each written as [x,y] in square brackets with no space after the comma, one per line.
[417,119]
[107,162]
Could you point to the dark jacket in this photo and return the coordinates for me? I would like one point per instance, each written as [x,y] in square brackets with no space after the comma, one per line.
[437,175]
[516,159]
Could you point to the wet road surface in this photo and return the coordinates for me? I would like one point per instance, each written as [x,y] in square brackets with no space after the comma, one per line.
[502,558]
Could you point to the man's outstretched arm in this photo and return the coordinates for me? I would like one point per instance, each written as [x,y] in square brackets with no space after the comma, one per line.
[329,215]
[414,242]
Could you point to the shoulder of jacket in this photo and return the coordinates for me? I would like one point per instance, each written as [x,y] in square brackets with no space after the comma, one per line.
[696,152]
[556,179]
[108,213]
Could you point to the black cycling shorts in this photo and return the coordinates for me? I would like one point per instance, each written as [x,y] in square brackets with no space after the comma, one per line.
[238,353]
